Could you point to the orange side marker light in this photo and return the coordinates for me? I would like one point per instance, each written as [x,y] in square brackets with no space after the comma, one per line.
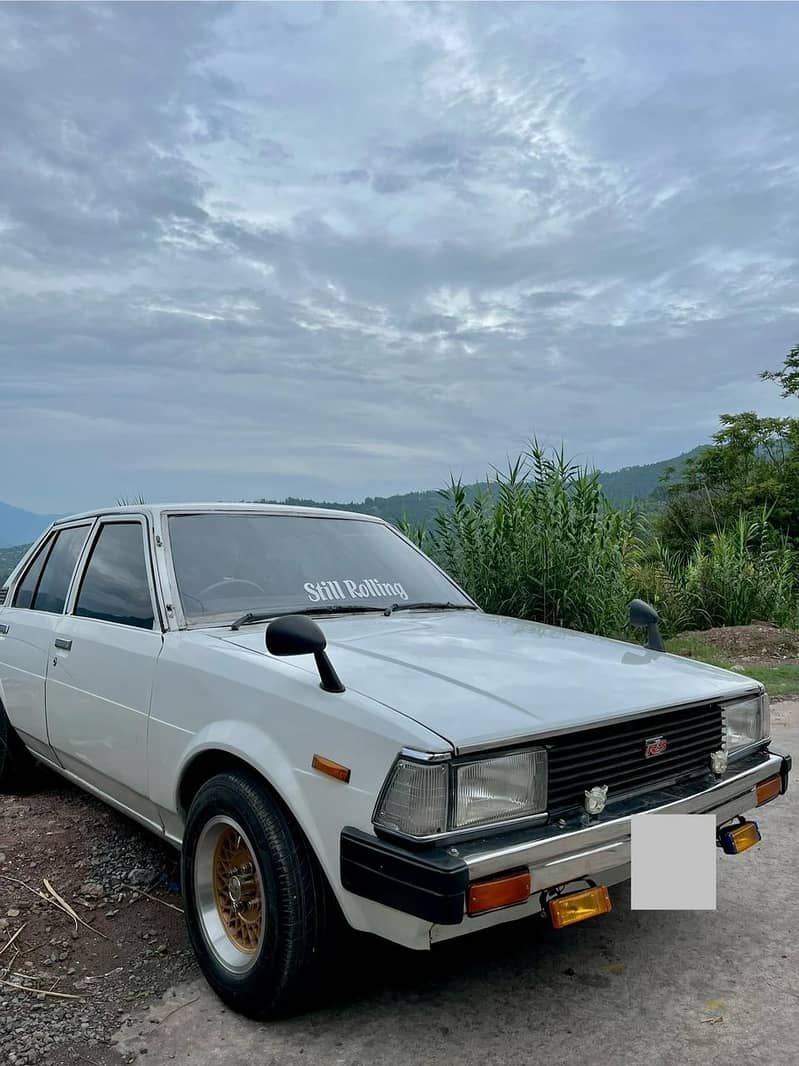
[332,769]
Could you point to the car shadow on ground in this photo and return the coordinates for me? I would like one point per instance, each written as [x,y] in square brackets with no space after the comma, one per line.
[514,951]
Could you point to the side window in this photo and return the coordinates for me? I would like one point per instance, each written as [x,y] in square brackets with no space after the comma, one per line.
[27,587]
[114,586]
[51,592]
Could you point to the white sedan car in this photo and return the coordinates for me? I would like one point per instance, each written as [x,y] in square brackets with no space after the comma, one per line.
[406,761]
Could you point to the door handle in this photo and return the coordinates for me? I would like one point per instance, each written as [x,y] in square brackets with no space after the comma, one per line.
[63,642]
[4,627]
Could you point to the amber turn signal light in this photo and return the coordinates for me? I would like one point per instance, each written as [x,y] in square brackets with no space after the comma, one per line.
[577,906]
[498,892]
[738,838]
[769,790]
[332,769]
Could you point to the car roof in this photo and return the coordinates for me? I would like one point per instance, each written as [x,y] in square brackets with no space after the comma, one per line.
[156,510]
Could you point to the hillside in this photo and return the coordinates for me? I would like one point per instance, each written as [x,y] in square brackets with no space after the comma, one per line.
[631,483]
[21,527]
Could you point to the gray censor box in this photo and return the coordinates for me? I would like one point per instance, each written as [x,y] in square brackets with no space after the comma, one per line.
[673,860]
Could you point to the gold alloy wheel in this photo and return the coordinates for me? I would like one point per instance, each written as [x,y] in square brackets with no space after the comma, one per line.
[237,890]
[230,901]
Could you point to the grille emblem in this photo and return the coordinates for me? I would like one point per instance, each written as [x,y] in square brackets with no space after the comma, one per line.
[655,746]
[596,798]
[718,762]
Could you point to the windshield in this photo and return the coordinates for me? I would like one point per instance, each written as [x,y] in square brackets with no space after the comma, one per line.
[228,564]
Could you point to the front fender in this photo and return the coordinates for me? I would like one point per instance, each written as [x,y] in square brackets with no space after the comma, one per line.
[211,696]
[313,800]
[322,807]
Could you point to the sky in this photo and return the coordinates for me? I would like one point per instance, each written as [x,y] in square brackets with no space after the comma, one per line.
[341,250]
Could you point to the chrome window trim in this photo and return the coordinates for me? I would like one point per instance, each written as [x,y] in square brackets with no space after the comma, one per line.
[50,535]
[20,572]
[174,605]
[84,559]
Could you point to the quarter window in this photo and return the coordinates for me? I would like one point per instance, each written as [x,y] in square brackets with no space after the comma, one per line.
[50,592]
[115,586]
[27,587]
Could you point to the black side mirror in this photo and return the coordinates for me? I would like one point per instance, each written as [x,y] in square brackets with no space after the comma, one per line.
[642,614]
[294,634]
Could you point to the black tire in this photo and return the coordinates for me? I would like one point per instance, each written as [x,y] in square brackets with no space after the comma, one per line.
[284,969]
[18,769]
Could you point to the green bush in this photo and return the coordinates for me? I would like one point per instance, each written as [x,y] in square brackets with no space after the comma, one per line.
[543,543]
[659,578]
[741,573]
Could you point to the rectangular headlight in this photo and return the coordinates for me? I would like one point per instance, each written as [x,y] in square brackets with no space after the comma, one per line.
[747,722]
[500,788]
[427,799]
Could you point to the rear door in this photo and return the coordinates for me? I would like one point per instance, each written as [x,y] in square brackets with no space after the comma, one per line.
[103,660]
[27,631]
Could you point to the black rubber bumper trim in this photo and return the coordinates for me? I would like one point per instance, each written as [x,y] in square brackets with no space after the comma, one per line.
[430,884]
[785,769]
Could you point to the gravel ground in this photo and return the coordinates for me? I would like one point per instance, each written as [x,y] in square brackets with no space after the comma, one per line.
[100,864]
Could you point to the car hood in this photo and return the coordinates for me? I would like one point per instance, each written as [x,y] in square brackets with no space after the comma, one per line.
[480,680]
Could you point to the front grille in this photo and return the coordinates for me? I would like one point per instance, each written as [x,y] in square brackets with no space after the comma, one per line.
[613,755]
[3,594]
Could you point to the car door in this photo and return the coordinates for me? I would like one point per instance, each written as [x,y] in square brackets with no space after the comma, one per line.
[27,630]
[103,658]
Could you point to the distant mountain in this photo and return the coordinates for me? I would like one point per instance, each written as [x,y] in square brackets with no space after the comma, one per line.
[634,483]
[625,486]
[417,507]
[21,527]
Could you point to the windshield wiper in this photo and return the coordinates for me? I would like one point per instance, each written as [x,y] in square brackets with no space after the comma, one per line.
[330,608]
[428,607]
[348,608]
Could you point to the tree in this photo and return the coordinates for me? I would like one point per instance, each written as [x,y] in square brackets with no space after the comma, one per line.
[752,465]
[788,376]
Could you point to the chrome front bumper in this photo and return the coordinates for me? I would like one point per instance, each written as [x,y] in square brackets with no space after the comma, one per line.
[432,883]
[604,844]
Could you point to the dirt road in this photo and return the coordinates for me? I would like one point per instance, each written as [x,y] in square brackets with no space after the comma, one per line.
[101,865]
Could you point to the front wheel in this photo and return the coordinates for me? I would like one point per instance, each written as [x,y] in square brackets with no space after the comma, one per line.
[256,899]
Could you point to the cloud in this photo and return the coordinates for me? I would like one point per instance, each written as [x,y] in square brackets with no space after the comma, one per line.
[340,250]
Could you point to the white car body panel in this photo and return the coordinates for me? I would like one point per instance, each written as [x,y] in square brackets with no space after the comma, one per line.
[478,679]
[98,704]
[128,710]
[98,694]
[24,652]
